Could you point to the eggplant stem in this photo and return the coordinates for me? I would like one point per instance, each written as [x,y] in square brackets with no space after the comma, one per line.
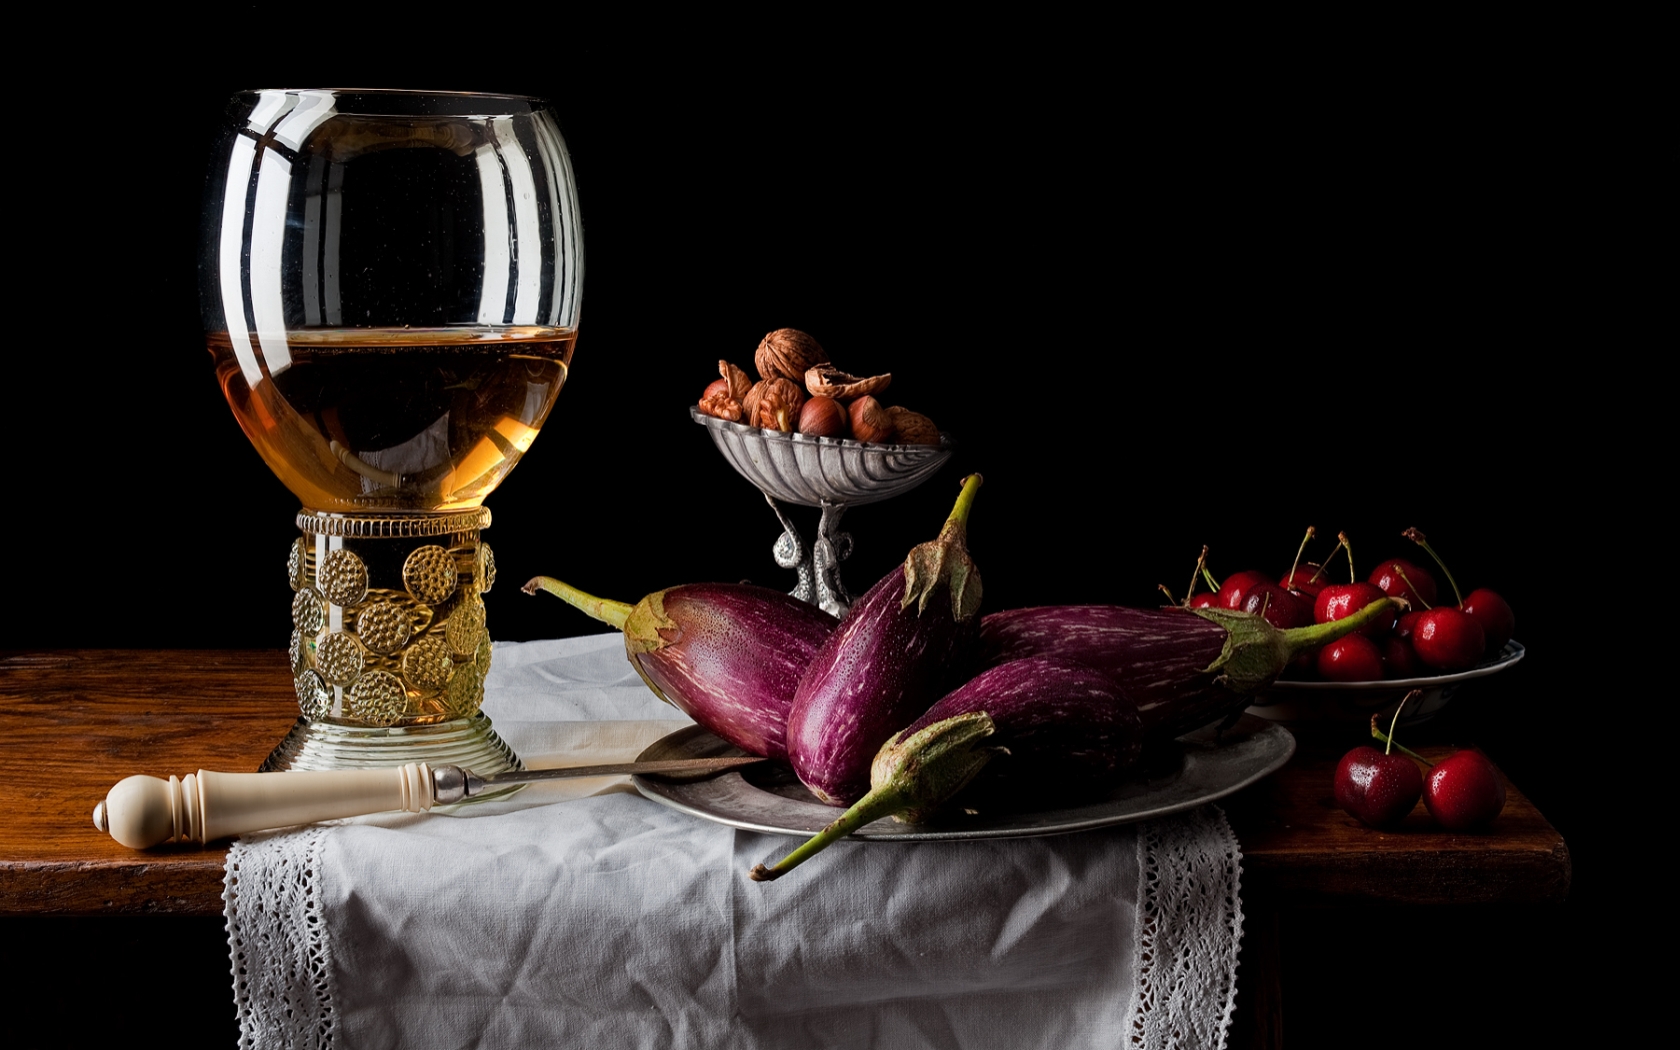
[1301,639]
[604,609]
[956,526]
[881,802]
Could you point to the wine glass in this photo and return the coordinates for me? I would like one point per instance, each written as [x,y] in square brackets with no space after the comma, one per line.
[390,286]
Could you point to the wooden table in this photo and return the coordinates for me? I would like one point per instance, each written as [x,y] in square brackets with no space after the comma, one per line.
[75,722]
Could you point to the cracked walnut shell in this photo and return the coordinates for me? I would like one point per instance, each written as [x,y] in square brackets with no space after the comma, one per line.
[828,381]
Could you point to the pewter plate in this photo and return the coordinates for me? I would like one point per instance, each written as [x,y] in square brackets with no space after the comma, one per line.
[1291,701]
[1197,768]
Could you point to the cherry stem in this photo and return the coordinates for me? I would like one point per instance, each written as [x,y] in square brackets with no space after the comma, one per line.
[1199,570]
[1411,586]
[1388,739]
[1353,577]
[1170,599]
[1341,541]
[1401,706]
[1302,549]
[1417,537]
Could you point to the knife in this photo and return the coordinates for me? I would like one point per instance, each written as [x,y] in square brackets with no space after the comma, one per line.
[141,811]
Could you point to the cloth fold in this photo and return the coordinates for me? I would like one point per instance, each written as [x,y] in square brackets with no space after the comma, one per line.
[579,913]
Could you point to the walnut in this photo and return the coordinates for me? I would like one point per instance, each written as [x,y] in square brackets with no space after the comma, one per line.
[722,406]
[739,382]
[788,353]
[870,421]
[828,381]
[773,404]
[717,402]
[913,428]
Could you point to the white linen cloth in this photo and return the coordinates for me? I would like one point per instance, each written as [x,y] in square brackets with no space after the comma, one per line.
[578,913]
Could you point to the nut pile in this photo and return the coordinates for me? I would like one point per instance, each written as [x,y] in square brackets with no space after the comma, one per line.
[799,391]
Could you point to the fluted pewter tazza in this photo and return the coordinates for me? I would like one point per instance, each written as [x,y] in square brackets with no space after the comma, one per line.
[819,471]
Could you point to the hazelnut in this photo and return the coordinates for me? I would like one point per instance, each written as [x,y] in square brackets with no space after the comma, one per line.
[773,404]
[824,417]
[870,421]
[788,353]
[828,381]
[913,428]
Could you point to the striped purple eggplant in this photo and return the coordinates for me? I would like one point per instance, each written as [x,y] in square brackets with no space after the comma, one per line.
[1185,668]
[902,646]
[728,655]
[1024,732]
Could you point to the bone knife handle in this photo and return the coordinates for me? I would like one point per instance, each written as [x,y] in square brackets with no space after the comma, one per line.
[142,811]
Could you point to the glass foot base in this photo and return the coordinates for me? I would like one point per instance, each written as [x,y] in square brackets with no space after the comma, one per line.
[468,742]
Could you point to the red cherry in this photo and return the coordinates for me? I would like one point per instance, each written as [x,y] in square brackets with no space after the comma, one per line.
[1390,577]
[1236,588]
[1205,600]
[1375,788]
[1341,600]
[1407,623]
[1495,616]
[1399,658]
[1278,607]
[1301,580]
[1354,658]
[1449,639]
[1464,791]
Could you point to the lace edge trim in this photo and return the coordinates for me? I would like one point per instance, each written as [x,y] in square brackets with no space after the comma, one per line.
[1190,870]
[281,962]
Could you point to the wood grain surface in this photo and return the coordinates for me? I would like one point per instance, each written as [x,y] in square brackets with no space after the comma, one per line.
[1300,846]
[73,723]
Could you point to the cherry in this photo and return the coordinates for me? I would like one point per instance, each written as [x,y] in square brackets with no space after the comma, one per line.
[1236,588]
[1306,579]
[1341,600]
[1399,659]
[1278,607]
[1390,577]
[1377,789]
[1354,658]
[1448,639]
[1463,791]
[1495,616]
[1407,623]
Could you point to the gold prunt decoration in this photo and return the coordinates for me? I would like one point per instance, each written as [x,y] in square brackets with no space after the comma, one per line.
[389,618]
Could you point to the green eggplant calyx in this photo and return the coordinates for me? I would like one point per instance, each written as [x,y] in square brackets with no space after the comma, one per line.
[910,777]
[946,561]
[604,609]
[1255,652]
[933,764]
[647,629]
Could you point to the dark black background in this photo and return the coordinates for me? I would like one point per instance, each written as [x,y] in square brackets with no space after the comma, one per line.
[1156,309]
